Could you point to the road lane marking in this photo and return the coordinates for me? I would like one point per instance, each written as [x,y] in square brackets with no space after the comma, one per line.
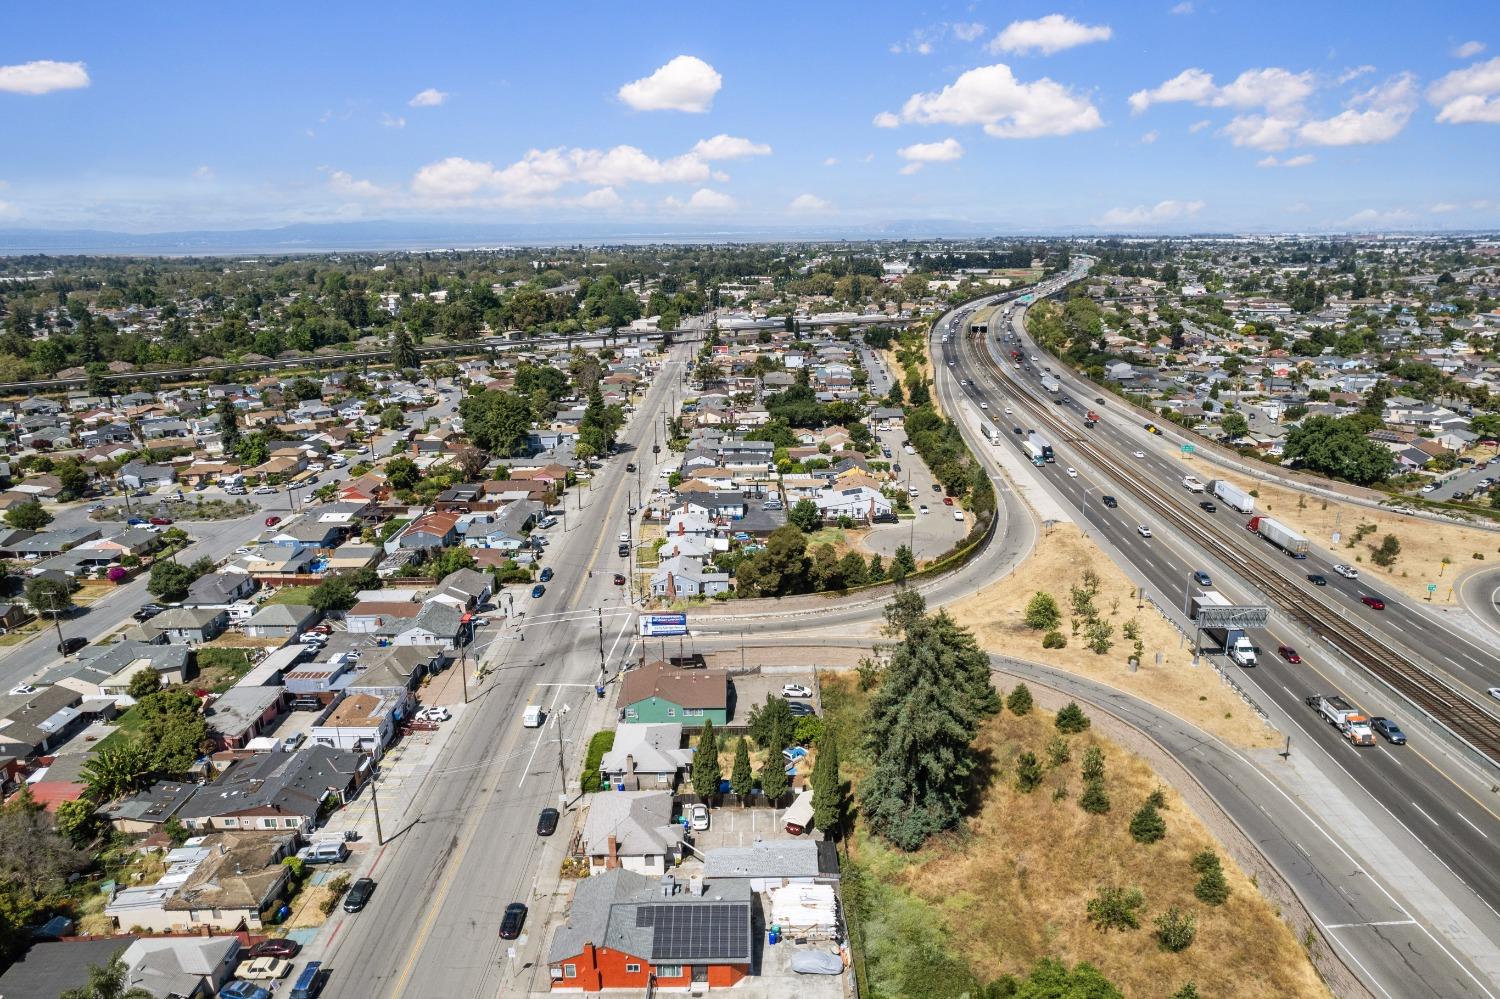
[1472,825]
[1423,812]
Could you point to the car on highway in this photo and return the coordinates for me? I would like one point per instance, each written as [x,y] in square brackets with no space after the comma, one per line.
[1316,579]
[1288,653]
[512,921]
[1140,454]
[1017,430]
[1373,602]
[1072,472]
[1389,730]
[546,822]
[619,579]
[537,591]
[697,816]
[1202,578]
[359,894]
[283,947]
[1143,531]
[982,405]
[800,710]
[546,575]
[1208,506]
[795,690]
[272,521]
[1347,571]
[1109,501]
[68,646]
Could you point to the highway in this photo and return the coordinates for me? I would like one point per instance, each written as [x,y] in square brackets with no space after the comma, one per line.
[467,845]
[1412,788]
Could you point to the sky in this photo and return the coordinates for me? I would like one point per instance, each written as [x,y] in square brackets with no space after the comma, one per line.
[1153,116]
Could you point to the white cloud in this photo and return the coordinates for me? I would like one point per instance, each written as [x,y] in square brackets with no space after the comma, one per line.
[1199,126]
[702,200]
[1377,115]
[968,31]
[1302,160]
[1007,108]
[1260,131]
[1151,215]
[886,120]
[204,172]
[603,198]
[1374,218]
[1053,33]
[831,161]
[1468,50]
[344,183]
[453,177]
[1271,88]
[392,121]
[728,147]
[429,98]
[43,77]
[1353,73]
[808,204]
[1186,7]
[1150,137]
[1469,95]
[920,154]
[1443,208]
[923,48]
[686,83]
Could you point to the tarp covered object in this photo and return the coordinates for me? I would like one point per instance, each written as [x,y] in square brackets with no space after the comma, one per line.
[817,962]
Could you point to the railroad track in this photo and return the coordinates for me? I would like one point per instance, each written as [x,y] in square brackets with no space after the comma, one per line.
[1402,674]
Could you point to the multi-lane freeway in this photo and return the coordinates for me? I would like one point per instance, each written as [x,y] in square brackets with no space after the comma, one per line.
[1424,790]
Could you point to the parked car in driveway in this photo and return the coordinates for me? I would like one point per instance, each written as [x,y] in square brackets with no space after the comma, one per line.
[795,690]
[1389,730]
[241,989]
[284,947]
[697,817]
[512,921]
[262,969]
[799,709]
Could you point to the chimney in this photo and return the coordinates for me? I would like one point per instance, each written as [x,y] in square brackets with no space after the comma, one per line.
[613,859]
[671,585]
[630,763]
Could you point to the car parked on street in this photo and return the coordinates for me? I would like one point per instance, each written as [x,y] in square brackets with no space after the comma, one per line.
[512,921]
[359,894]
[537,591]
[546,822]
[283,947]
[272,521]
[546,575]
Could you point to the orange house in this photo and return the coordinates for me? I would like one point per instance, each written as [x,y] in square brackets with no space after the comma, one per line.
[626,930]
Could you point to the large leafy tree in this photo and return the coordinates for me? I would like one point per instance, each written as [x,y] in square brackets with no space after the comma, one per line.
[497,422]
[48,596]
[28,516]
[108,981]
[1338,447]
[935,693]
[173,730]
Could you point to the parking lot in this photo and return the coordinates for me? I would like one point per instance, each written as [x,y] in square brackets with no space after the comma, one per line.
[930,534]
[751,689]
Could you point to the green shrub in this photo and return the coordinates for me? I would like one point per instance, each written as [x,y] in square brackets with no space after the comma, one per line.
[1116,908]
[1071,720]
[1147,825]
[1054,640]
[1019,701]
[1176,929]
[599,744]
[1028,773]
[1095,799]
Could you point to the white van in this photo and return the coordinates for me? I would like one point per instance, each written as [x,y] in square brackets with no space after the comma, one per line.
[546,522]
[533,717]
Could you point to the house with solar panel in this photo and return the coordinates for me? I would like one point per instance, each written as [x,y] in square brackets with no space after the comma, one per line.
[629,931]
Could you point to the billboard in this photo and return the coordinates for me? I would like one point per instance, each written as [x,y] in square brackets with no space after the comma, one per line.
[662,625]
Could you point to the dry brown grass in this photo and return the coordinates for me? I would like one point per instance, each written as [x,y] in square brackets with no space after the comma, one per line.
[996,616]
[1424,543]
[307,908]
[1012,888]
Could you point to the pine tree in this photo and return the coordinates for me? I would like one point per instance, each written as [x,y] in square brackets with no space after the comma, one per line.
[828,789]
[1093,764]
[923,719]
[1095,799]
[229,427]
[742,779]
[1028,773]
[706,773]
[773,780]
[1019,700]
[1147,825]
[403,354]
[1211,886]
[1071,720]
[1188,991]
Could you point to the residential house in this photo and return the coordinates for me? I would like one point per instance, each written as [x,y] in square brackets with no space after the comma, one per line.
[435,530]
[147,810]
[222,881]
[774,863]
[285,621]
[220,589]
[142,475]
[241,713]
[467,589]
[277,790]
[646,757]
[686,576]
[189,625]
[627,931]
[48,969]
[362,722]
[633,830]
[181,967]
[660,692]
[43,721]
[369,616]
[437,623]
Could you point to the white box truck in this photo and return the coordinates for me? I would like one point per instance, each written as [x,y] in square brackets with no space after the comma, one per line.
[533,717]
[1233,495]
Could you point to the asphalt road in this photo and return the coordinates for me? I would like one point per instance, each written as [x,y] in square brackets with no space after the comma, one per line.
[1436,803]
[468,846]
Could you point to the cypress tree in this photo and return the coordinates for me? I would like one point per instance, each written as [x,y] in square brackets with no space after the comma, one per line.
[706,773]
[742,779]
[828,789]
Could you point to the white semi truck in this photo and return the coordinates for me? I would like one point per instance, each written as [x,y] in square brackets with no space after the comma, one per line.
[1235,643]
[1280,535]
[1233,495]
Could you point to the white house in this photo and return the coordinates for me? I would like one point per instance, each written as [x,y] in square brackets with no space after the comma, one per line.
[859,502]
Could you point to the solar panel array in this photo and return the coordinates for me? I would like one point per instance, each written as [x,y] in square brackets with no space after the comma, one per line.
[685,933]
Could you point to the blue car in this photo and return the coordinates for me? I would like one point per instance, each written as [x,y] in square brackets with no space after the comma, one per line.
[1390,730]
[1201,578]
[137,521]
[537,591]
[547,574]
[241,989]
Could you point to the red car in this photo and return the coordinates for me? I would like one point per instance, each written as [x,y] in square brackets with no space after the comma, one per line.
[1289,654]
[161,521]
[272,521]
[619,579]
[281,947]
[947,501]
[1373,602]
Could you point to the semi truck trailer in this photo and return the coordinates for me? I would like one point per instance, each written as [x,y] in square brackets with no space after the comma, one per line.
[1280,535]
[1233,495]
[1235,643]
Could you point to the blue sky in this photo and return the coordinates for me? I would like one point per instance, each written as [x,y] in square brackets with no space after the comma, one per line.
[1151,117]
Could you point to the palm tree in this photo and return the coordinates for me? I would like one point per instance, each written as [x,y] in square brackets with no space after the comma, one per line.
[108,981]
[116,770]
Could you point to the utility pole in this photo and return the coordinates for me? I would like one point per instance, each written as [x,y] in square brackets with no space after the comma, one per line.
[463,671]
[375,801]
